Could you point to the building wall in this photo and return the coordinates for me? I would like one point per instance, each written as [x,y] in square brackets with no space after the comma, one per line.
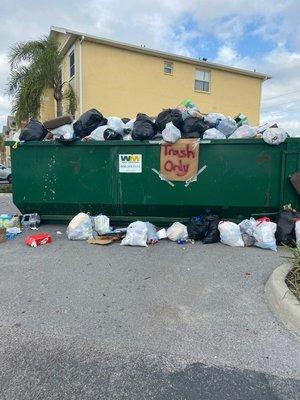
[122,82]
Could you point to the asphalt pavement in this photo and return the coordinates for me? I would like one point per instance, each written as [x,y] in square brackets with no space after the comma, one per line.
[81,321]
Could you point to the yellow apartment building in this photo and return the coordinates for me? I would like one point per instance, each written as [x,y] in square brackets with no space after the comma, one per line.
[121,79]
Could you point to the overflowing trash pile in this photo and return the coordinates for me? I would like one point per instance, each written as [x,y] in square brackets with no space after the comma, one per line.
[184,121]
[206,227]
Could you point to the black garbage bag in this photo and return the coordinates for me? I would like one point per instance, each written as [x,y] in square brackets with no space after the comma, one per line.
[110,134]
[34,130]
[197,227]
[125,120]
[194,127]
[143,128]
[212,234]
[89,121]
[285,232]
[169,115]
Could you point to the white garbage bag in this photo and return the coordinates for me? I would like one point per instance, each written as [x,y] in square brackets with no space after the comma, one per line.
[243,132]
[265,126]
[80,227]
[177,231]
[171,134]
[97,134]
[230,234]
[136,235]
[226,126]
[213,118]
[65,131]
[297,229]
[116,124]
[101,224]
[213,133]
[129,126]
[127,137]
[264,235]
[274,135]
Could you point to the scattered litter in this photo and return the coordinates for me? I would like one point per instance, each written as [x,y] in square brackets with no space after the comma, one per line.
[38,240]
[31,220]
[58,232]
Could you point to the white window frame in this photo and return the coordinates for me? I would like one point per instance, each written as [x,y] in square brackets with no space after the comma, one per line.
[72,50]
[204,80]
[170,67]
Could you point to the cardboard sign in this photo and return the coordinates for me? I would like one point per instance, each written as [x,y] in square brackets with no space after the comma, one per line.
[179,161]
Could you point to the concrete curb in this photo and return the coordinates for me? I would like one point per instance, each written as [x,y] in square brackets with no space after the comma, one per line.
[281,300]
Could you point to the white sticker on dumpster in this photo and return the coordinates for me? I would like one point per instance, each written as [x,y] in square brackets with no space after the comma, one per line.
[130,163]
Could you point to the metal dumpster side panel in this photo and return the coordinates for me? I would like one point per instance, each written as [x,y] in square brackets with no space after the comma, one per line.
[242,177]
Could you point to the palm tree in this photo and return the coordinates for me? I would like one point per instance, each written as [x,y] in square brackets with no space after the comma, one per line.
[35,66]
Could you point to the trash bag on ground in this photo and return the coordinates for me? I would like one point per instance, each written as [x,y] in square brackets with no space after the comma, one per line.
[213,133]
[230,234]
[80,227]
[34,130]
[274,136]
[136,235]
[116,124]
[110,134]
[64,131]
[97,134]
[247,226]
[213,118]
[129,126]
[243,132]
[101,224]
[171,134]
[285,232]
[152,236]
[193,127]
[177,231]
[197,227]
[248,240]
[88,122]
[212,234]
[166,116]
[143,128]
[264,234]
[226,126]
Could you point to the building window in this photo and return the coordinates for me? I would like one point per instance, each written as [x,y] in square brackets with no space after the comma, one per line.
[168,67]
[71,64]
[202,80]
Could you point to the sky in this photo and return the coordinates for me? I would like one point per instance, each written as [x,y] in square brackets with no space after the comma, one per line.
[257,35]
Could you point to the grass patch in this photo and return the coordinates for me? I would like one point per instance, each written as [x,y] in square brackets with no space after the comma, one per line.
[5,188]
[293,277]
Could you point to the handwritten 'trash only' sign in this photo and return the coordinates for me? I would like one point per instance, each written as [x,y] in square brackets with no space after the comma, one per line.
[179,161]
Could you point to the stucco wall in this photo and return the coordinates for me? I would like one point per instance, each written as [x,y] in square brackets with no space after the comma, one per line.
[122,82]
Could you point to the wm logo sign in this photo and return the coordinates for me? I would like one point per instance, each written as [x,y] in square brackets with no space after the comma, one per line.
[130,158]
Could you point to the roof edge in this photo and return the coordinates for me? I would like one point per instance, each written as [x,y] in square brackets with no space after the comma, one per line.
[159,53]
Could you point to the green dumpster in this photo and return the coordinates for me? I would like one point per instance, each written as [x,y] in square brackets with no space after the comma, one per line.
[238,178]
